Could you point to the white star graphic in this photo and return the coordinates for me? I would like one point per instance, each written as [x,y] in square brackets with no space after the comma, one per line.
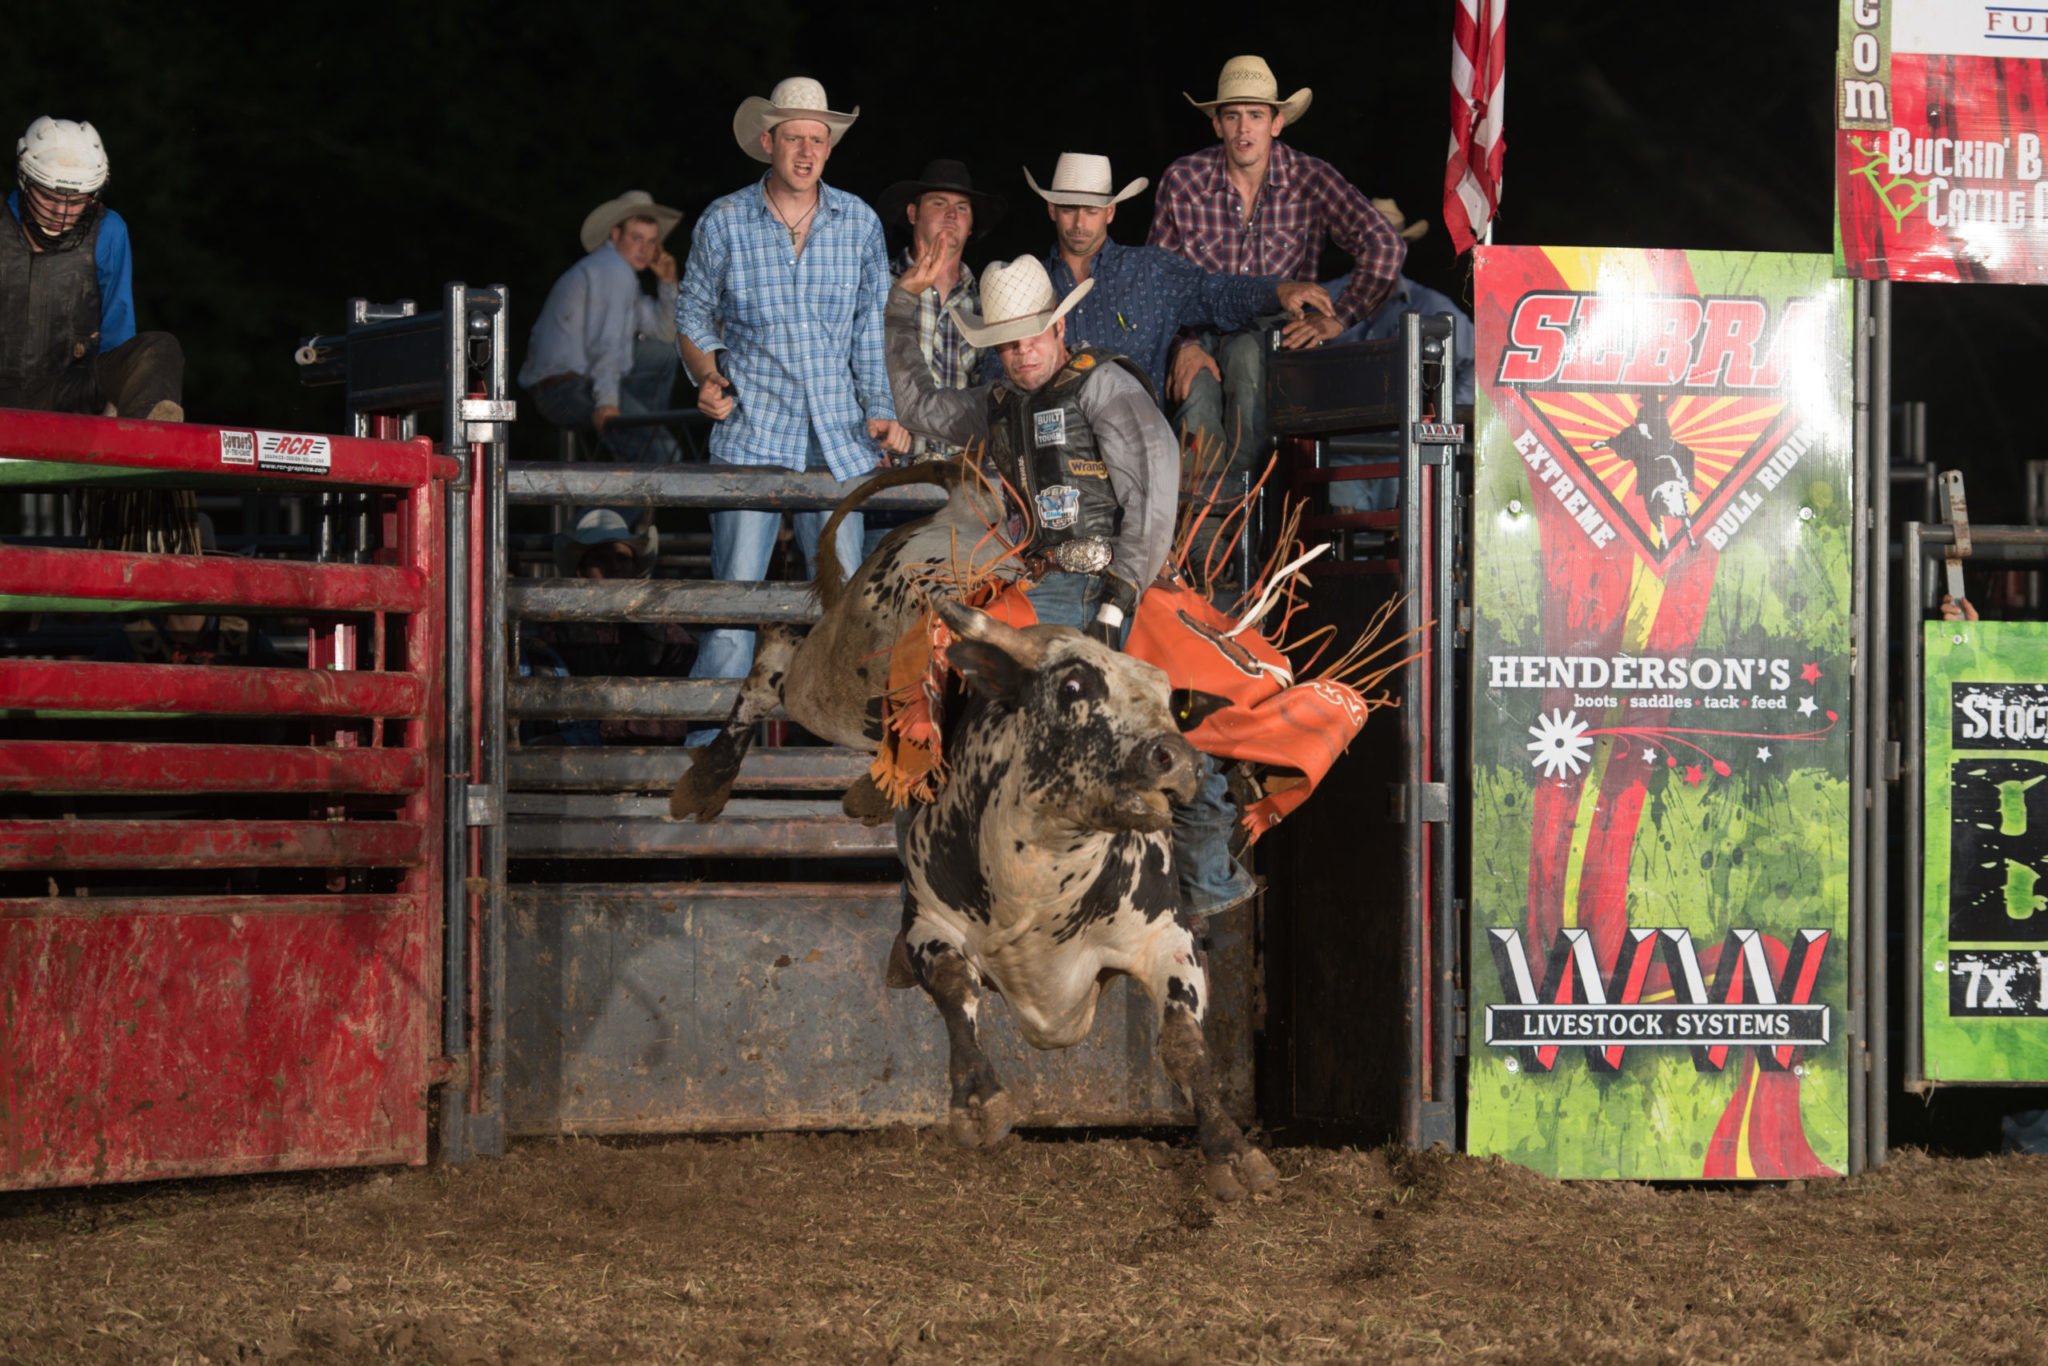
[1806,707]
[1763,752]
[1649,754]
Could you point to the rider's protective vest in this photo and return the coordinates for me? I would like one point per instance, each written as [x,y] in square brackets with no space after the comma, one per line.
[1042,445]
[51,303]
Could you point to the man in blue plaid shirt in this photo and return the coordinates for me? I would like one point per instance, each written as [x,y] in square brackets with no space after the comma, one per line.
[779,319]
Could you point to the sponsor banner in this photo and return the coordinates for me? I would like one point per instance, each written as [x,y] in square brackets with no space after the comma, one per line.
[1941,110]
[1662,647]
[1984,918]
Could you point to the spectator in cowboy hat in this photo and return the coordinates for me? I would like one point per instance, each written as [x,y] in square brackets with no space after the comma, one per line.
[598,349]
[1251,204]
[1144,296]
[780,323]
[942,206]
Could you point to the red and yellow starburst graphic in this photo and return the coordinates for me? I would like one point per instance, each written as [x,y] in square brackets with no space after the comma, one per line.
[1728,435]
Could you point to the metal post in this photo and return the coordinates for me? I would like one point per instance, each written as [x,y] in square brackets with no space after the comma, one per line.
[486,319]
[1912,790]
[1857,1037]
[1414,687]
[455,964]
[1443,650]
[1877,768]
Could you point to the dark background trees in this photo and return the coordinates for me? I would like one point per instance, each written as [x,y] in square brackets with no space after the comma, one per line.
[273,162]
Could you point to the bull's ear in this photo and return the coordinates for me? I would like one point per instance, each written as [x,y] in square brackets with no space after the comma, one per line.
[987,668]
[1191,707]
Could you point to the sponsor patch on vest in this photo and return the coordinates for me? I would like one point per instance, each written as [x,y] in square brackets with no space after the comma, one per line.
[1084,361]
[1059,507]
[237,448]
[1090,469]
[1049,428]
[292,453]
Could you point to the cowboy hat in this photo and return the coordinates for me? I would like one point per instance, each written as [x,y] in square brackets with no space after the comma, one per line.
[1016,302]
[798,97]
[1391,211]
[951,176]
[601,527]
[1248,80]
[1080,178]
[598,224]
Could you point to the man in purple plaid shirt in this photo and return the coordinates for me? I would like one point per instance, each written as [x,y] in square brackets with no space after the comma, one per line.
[1251,205]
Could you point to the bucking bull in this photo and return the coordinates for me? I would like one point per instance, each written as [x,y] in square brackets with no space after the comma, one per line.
[1042,864]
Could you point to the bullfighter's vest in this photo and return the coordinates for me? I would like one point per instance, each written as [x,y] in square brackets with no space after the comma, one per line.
[51,300]
[1042,445]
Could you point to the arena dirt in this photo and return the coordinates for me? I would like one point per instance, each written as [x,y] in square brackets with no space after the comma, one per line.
[894,1246]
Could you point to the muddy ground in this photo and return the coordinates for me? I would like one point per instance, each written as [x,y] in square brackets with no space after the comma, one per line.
[895,1247]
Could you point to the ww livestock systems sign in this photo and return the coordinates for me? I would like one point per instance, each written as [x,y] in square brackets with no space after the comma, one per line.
[1984,928]
[1660,808]
[1941,110]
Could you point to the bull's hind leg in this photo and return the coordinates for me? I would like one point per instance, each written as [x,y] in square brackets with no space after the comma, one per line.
[704,789]
[980,1113]
[1178,984]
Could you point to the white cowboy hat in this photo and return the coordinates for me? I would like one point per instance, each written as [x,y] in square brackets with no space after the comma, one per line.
[1391,211]
[798,97]
[1248,80]
[1016,302]
[598,224]
[1080,178]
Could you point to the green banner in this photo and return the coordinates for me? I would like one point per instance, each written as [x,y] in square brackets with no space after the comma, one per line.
[1984,925]
[1662,647]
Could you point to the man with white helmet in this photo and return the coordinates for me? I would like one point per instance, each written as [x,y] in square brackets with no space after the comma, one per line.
[779,319]
[1080,437]
[69,343]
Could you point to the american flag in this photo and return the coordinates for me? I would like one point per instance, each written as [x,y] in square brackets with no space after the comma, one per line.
[1478,96]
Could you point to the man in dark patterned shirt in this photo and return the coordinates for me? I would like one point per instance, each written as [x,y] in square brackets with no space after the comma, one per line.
[1249,206]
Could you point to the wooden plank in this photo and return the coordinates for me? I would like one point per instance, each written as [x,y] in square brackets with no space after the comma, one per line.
[606,768]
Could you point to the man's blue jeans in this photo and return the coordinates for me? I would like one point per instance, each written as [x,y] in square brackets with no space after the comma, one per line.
[742,543]
[1228,416]
[1210,878]
[648,387]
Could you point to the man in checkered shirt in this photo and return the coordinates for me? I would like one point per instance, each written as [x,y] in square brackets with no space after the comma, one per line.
[779,319]
[1252,205]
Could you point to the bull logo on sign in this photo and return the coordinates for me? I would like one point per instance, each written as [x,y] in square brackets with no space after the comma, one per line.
[1663,466]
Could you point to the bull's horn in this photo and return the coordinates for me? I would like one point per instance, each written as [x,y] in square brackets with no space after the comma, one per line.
[970,624]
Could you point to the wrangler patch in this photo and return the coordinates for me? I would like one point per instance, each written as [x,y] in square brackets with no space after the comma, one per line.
[1084,361]
[1090,469]
[1049,428]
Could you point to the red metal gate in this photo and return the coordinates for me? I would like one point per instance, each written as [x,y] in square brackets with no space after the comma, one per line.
[219,884]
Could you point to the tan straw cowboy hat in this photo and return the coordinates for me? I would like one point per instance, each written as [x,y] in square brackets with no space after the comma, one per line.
[1016,302]
[1080,178]
[1248,80]
[798,97]
[632,204]
[1397,220]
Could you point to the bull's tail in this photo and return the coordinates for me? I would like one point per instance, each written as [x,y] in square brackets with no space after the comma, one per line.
[831,578]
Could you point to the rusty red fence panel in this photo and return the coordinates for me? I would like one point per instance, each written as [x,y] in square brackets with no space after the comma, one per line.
[49,685]
[191,581]
[201,993]
[85,766]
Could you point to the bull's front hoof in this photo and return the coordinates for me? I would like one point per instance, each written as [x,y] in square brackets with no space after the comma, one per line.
[699,794]
[1222,1182]
[865,803]
[1256,1172]
[983,1123]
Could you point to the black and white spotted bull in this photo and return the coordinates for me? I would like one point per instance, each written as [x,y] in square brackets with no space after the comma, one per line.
[830,680]
[1044,868]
